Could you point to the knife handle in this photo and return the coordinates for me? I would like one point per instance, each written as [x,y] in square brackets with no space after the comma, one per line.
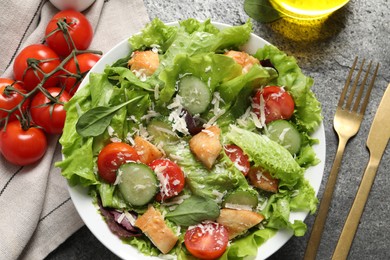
[351,224]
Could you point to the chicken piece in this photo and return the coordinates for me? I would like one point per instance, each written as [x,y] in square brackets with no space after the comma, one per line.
[144,63]
[206,145]
[147,151]
[238,221]
[262,179]
[153,226]
[244,59]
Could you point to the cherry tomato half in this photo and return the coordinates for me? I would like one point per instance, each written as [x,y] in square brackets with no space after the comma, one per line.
[85,62]
[171,178]
[111,157]
[50,116]
[22,147]
[237,156]
[207,240]
[37,55]
[278,103]
[79,29]
[9,98]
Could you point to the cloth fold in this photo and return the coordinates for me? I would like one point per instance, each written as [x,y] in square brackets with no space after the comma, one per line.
[37,213]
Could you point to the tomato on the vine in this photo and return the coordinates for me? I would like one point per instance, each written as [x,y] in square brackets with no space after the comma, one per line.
[171,178]
[85,62]
[278,103]
[20,146]
[68,29]
[47,113]
[111,157]
[32,61]
[11,98]
[206,240]
[237,156]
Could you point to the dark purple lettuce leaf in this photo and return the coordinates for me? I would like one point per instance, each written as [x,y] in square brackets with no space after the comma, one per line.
[124,229]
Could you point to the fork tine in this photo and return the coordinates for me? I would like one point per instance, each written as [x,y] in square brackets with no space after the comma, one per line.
[361,88]
[365,102]
[355,83]
[345,89]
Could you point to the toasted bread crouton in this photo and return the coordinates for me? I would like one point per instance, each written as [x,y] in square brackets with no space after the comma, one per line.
[153,226]
[206,145]
[238,221]
[245,60]
[147,151]
[144,62]
[261,179]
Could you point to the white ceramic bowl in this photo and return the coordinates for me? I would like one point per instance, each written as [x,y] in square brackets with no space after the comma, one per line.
[96,224]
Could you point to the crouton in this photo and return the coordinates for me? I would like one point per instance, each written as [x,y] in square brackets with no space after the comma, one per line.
[245,60]
[238,221]
[144,63]
[262,179]
[153,226]
[147,151]
[206,145]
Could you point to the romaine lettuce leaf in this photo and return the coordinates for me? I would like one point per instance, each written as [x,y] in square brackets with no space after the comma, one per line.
[267,154]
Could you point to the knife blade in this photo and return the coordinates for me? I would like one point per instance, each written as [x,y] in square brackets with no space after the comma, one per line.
[377,140]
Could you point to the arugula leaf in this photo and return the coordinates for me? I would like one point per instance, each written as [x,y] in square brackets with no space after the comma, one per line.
[194,210]
[95,121]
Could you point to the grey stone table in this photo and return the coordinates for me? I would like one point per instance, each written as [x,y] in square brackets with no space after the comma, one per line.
[324,53]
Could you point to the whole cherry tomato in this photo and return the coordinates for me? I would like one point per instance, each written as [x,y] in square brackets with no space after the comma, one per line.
[278,103]
[32,61]
[111,157]
[47,113]
[85,62]
[10,98]
[20,146]
[67,30]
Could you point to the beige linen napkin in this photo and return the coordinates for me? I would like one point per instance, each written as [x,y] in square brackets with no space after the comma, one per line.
[36,212]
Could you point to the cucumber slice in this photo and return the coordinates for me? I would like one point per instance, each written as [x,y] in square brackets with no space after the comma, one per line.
[138,183]
[285,133]
[195,94]
[161,131]
[240,199]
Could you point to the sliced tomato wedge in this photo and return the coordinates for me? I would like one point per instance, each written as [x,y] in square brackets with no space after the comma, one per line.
[111,157]
[237,156]
[274,102]
[171,178]
[207,240]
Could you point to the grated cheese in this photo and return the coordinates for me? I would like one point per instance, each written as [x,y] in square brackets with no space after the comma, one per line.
[283,134]
[238,206]
[130,218]
[157,92]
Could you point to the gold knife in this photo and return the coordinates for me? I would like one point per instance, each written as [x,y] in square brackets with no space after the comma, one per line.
[377,140]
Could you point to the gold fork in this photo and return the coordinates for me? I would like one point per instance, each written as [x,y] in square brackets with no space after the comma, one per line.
[346,123]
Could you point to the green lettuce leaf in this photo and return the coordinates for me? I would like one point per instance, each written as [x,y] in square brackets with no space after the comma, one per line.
[210,68]
[307,108]
[267,154]
[223,177]
[155,33]
[78,164]
[229,90]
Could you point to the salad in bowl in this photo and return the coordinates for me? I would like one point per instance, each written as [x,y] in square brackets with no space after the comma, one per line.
[194,144]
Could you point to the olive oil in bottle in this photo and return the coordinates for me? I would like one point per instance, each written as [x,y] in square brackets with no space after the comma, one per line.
[307,9]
